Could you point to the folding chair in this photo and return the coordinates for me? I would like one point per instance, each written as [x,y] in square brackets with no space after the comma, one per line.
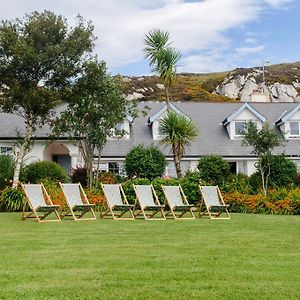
[39,202]
[117,204]
[148,202]
[77,201]
[213,200]
[177,202]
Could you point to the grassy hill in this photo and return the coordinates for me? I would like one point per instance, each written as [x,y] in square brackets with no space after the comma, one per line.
[200,87]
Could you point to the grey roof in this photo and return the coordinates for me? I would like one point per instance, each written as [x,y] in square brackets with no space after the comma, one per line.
[234,114]
[287,115]
[208,117]
[12,125]
[213,137]
[164,109]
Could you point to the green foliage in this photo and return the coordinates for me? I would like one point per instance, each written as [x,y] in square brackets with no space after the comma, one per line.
[178,132]
[262,141]
[162,58]
[237,183]
[145,162]
[95,107]
[283,171]
[158,182]
[79,174]
[39,59]
[213,169]
[37,171]
[6,170]
[11,199]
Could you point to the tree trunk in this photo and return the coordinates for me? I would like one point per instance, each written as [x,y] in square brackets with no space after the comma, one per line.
[167,96]
[87,153]
[176,161]
[24,149]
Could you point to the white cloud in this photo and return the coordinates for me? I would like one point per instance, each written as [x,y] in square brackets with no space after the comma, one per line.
[120,25]
[249,50]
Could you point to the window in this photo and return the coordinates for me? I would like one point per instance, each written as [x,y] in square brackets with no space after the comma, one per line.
[239,127]
[114,167]
[294,128]
[6,150]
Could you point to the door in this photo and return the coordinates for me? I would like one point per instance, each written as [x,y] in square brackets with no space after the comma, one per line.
[64,160]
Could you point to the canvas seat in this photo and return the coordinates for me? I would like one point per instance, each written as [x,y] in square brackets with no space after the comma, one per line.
[77,202]
[117,204]
[148,203]
[177,202]
[214,203]
[39,202]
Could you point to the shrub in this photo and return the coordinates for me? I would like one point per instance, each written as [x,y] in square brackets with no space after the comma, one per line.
[283,171]
[40,170]
[237,183]
[145,162]
[108,177]
[79,174]
[213,169]
[11,199]
[190,186]
[55,193]
[6,170]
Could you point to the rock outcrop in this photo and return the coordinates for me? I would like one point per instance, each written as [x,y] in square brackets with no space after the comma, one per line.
[249,85]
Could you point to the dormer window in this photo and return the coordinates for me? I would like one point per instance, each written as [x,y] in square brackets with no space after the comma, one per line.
[236,122]
[294,128]
[154,121]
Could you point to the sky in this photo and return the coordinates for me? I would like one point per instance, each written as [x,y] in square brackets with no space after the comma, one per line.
[212,35]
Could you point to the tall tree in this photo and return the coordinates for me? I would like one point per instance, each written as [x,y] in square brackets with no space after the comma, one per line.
[178,132]
[162,58]
[39,57]
[95,107]
[262,141]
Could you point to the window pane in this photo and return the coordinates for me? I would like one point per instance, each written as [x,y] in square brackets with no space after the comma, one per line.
[6,150]
[239,127]
[294,128]
[114,167]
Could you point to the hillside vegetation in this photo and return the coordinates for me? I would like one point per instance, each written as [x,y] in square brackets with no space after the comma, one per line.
[202,87]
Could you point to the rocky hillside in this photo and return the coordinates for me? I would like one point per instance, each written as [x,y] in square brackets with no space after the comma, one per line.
[282,84]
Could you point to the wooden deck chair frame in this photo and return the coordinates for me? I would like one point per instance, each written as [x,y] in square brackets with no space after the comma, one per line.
[111,211]
[149,212]
[212,211]
[182,210]
[46,210]
[84,208]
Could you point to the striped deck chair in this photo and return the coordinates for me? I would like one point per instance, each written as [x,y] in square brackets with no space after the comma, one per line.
[77,201]
[148,203]
[177,202]
[39,202]
[213,200]
[117,204]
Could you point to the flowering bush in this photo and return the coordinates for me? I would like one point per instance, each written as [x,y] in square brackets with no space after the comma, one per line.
[277,202]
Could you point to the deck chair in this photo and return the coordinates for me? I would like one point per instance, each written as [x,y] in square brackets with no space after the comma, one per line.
[178,203]
[77,201]
[148,203]
[213,201]
[39,202]
[117,204]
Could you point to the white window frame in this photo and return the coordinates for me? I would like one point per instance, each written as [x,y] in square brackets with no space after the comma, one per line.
[294,135]
[238,121]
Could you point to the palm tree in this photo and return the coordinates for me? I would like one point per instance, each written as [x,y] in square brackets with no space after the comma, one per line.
[162,58]
[178,132]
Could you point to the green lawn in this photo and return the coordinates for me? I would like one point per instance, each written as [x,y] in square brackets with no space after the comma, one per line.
[248,257]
